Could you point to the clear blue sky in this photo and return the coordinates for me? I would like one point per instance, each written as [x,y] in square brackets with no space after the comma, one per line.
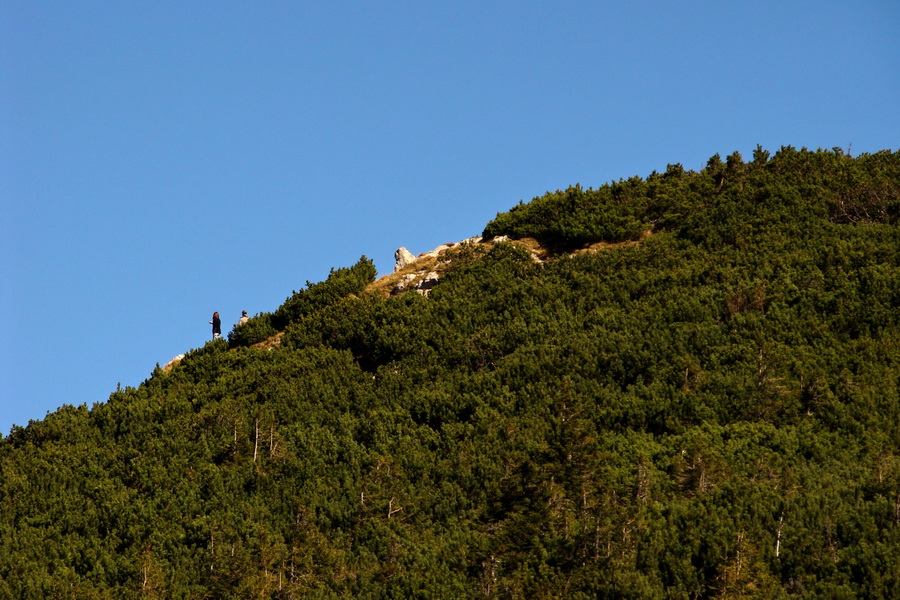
[163,160]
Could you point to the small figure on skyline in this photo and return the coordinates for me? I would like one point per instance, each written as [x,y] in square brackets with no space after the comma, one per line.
[244,318]
[217,326]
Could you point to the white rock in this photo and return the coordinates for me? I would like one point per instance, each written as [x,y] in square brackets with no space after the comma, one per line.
[437,250]
[173,362]
[403,258]
[429,281]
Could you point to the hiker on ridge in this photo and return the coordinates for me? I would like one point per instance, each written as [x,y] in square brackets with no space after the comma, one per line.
[244,318]
[217,326]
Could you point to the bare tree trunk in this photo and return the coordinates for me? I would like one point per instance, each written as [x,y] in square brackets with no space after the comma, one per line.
[391,510]
[778,535]
[256,441]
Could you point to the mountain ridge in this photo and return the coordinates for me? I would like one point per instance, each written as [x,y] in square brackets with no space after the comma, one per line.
[711,410]
[410,276]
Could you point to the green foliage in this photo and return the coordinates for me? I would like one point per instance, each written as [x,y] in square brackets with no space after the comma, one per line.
[713,206]
[257,329]
[713,412]
[572,218]
[340,283]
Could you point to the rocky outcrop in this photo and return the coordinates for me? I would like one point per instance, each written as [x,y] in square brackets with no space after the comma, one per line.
[421,273]
[416,282]
[426,283]
[403,258]
[172,363]
[403,284]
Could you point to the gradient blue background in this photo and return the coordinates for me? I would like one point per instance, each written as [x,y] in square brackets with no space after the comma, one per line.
[162,160]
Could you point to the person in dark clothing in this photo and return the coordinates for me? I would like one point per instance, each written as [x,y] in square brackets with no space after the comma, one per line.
[217,326]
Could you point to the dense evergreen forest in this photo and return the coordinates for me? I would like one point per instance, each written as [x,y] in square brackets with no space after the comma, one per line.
[690,391]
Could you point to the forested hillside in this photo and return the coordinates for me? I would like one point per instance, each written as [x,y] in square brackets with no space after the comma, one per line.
[704,405]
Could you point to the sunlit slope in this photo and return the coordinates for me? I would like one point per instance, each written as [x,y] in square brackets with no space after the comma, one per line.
[681,386]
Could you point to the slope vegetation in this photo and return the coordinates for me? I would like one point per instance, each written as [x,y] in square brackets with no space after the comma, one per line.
[710,411]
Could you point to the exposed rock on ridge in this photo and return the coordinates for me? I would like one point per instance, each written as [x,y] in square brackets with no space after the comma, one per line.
[403,258]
